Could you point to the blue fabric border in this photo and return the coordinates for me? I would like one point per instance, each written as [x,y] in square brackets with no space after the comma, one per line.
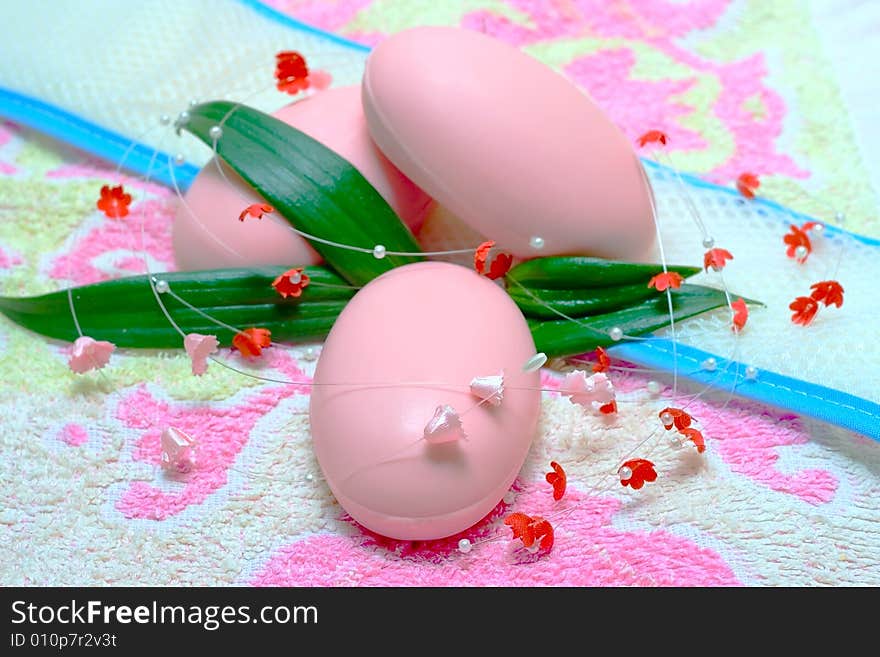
[827,404]
[854,413]
[93,139]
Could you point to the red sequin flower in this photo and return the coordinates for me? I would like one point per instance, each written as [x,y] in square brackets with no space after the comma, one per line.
[805,308]
[529,530]
[828,292]
[668,279]
[675,417]
[716,259]
[291,72]
[740,314]
[251,342]
[695,437]
[114,202]
[636,472]
[499,266]
[256,210]
[609,408]
[798,237]
[291,283]
[652,137]
[557,479]
[603,362]
[747,183]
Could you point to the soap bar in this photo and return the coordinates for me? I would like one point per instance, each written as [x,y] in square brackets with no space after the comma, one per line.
[206,231]
[409,342]
[507,144]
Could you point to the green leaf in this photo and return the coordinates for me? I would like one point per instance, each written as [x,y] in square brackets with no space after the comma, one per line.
[125,311]
[566,338]
[568,272]
[316,190]
[541,303]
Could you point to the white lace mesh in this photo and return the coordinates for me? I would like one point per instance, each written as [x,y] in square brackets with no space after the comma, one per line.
[122,65]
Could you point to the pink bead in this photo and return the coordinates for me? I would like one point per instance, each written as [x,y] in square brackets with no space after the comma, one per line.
[444,427]
[489,389]
[178,451]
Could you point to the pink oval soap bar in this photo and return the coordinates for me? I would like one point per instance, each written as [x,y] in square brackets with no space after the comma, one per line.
[206,231]
[434,327]
[507,144]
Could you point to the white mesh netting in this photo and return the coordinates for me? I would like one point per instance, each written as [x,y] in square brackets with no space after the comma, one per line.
[124,69]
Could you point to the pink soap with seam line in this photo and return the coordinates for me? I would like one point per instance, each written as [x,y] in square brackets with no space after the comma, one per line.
[410,341]
[206,232]
[507,144]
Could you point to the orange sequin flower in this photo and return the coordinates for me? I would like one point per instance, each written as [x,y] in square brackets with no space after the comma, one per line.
[636,472]
[716,259]
[252,341]
[498,267]
[652,137]
[675,417]
[666,280]
[805,309]
[603,362]
[291,72]
[557,479]
[796,238]
[533,532]
[696,437]
[828,292]
[740,314]
[114,202]
[291,283]
[747,183]
[256,210]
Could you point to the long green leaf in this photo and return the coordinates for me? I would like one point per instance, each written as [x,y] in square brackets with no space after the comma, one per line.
[316,190]
[541,303]
[125,312]
[566,338]
[569,272]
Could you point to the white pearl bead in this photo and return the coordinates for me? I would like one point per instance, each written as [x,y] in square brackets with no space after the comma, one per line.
[296,278]
[616,334]
[464,546]
[653,387]
[162,287]
[193,102]
[535,363]
[710,364]
[215,132]
[666,419]
[309,477]
[801,252]
[839,217]
[182,118]
[709,242]
[379,252]
[179,159]
[751,372]
[164,119]
[536,242]
[674,441]
[625,473]
[819,229]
